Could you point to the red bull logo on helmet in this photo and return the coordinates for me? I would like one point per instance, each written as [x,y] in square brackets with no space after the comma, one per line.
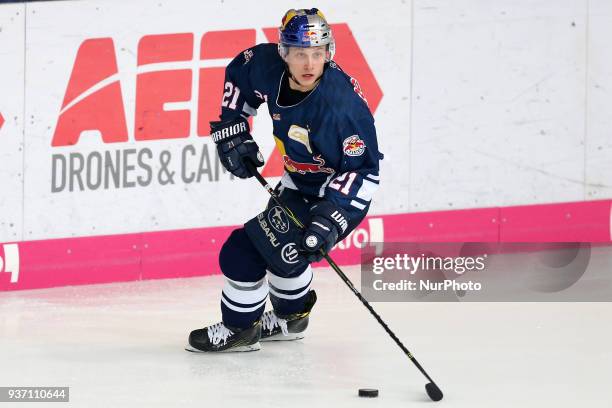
[310,36]
[353,146]
[303,168]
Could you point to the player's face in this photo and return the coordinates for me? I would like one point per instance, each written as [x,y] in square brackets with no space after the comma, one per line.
[306,65]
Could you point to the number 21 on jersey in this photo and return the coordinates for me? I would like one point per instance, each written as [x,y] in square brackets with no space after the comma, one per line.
[343,183]
[231,92]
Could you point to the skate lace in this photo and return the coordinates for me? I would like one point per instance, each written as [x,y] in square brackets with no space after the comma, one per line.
[270,321]
[218,332]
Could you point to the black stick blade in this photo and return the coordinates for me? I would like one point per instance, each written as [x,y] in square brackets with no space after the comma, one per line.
[434,392]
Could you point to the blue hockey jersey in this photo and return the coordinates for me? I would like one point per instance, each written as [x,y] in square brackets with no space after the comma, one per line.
[327,141]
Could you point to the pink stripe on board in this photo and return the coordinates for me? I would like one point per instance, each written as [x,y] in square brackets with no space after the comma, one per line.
[175,254]
[194,252]
[476,225]
[565,222]
[76,261]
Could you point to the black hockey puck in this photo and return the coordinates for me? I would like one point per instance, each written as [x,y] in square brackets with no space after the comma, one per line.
[368,392]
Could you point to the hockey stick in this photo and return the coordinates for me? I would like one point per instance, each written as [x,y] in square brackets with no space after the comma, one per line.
[432,389]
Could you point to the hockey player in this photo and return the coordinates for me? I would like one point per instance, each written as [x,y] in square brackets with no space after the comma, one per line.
[326,136]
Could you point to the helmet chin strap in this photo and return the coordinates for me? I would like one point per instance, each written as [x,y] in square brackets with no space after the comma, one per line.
[293,78]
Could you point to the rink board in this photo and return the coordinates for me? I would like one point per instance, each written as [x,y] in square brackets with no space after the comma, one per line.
[479,109]
[94,85]
[194,252]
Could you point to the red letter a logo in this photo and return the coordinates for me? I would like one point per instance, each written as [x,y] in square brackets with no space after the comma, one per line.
[93,98]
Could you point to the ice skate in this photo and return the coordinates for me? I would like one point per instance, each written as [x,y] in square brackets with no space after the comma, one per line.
[219,338]
[290,327]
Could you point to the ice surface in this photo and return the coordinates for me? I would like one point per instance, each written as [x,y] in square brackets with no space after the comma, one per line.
[121,345]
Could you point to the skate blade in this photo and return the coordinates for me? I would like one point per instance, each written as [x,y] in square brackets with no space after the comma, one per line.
[280,337]
[239,349]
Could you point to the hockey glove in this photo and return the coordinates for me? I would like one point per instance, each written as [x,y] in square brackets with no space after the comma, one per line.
[234,145]
[327,222]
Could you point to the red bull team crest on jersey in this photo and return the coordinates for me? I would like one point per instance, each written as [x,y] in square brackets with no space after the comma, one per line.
[353,146]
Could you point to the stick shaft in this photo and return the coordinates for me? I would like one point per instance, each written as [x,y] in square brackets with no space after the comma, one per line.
[338,271]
